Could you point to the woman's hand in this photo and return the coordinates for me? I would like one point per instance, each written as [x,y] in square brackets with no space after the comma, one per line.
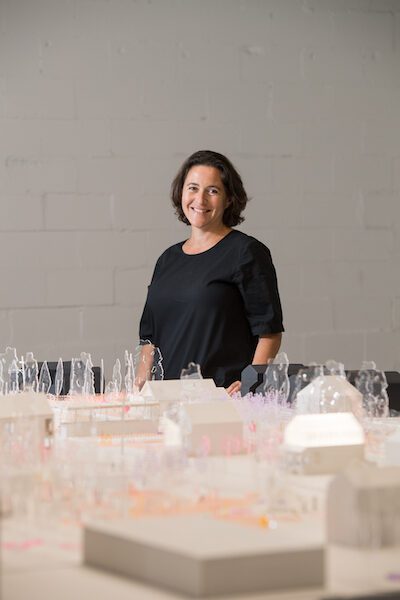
[234,387]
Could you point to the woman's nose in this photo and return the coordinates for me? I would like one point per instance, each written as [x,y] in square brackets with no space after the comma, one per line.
[202,196]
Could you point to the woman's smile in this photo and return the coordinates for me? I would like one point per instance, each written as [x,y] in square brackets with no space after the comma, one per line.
[200,210]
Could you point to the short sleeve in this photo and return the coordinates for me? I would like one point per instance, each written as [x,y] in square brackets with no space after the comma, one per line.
[256,279]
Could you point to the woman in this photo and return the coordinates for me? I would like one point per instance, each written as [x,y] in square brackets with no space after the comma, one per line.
[213,299]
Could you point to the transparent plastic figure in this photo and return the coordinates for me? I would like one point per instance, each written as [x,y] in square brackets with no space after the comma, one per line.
[147,363]
[332,367]
[189,391]
[303,377]
[177,415]
[157,369]
[13,377]
[117,375]
[1,378]
[363,382]
[89,374]
[111,392]
[331,395]
[329,399]
[372,384]
[276,379]
[379,387]
[44,383]
[101,376]
[82,377]
[77,379]
[59,378]
[7,359]
[193,371]
[31,373]
[129,373]
[329,392]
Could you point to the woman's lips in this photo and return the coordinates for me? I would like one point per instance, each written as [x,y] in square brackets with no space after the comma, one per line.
[200,210]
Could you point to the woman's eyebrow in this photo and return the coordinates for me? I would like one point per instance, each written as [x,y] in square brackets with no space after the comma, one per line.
[212,185]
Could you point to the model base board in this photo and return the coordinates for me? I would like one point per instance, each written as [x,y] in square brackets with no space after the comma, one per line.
[201,556]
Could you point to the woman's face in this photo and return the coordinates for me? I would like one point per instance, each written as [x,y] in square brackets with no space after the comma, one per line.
[203,198]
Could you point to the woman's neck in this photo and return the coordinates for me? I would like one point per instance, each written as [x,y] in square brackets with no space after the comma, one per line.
[200,241]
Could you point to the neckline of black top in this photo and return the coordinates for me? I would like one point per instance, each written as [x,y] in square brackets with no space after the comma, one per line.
[209,249]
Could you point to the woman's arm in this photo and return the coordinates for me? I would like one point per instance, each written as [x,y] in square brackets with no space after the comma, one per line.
[144,365]
[267,348]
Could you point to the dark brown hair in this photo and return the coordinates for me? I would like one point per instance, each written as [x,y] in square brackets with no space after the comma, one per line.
[230,178]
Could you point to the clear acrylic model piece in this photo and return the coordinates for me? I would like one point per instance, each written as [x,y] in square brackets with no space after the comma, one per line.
[189,391]
[129,376]
[31,373]
[332,367]
[13,377]
[1,378]
[329,393]
[7,358]
[59,378]
[117,375]
[101,376]
[44,383]
[193,371]
[113,387]
[305,376]
[276,379]
[372,384]
[147,363]
[77,380]
[89,374]
[82,377]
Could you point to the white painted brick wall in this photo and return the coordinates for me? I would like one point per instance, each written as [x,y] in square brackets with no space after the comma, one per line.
[71,212]
[101,101]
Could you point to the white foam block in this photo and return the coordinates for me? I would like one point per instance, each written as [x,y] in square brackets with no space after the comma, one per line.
[320,460]
[362,508]
[217,425]
[176,390]
[361,571]
[201,556]
[27,405]
[392,449]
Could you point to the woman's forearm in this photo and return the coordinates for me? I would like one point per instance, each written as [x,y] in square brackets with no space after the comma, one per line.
[267,348]
[144,365]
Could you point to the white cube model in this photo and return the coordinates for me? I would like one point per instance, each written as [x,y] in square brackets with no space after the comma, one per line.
[28,406]
[179,390]
[202,556]
[317,444]
[328,394]
[392,449]
[88,416]
[211,428]
[363,507]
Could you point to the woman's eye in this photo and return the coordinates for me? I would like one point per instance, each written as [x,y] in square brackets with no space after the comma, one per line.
[213,191]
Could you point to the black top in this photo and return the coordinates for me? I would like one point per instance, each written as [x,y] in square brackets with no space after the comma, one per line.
[210,308]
